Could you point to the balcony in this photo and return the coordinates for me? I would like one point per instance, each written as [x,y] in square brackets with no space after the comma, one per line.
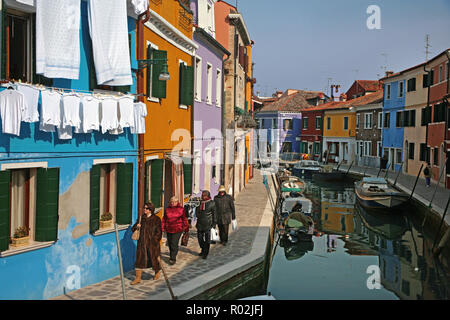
[244,119]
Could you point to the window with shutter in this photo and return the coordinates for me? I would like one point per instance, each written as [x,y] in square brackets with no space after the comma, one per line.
[187,174]
[158,86]
[156,178]
[47,200]
[4,209]
[124,194]
[94,217]
[186,91]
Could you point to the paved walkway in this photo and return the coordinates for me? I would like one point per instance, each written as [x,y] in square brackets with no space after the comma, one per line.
[406,183]
[192,275]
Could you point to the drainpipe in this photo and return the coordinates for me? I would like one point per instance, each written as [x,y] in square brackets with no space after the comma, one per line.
[446,111]
[223,127]
[142,19]
[236,50]
[428,102]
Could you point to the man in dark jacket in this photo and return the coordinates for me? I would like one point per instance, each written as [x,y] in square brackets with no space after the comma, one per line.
[225,213]
[206,220]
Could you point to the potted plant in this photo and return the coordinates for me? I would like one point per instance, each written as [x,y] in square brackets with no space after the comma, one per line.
[21,237]
[106,220]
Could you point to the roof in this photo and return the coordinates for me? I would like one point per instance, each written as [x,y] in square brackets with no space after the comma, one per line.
[212,41]
[241,27]
[369,85]
[293,103]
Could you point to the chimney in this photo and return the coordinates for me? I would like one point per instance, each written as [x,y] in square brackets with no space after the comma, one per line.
[389,73]
[343,97]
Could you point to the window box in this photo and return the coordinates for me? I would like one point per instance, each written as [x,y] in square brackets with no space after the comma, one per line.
[106,224]
[20,242]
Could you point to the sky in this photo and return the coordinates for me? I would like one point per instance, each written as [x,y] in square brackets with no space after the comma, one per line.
[300,44]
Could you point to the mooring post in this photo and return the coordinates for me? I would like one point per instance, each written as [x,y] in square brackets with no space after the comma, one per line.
[119,253]
[399,171]
[339,164]
[440,225]
[349,167]
[415,183]
[387,171]
[379,171]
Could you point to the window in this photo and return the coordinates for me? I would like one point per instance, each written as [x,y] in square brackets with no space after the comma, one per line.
[207,168]
[108,190]
[328,123]
[305,123]
[411,151]
[439,112]
[380,120]
[28,200]
[287,124]
[387,119]
[368,120]
[217,166]
[186,85]
[379,148]
[153,186]
[209,84]
[155,88]
[398,156]
[218,88]
[367,148]
[318,122]
[436,156]
[399,119]
[345,123]
[400,89]
[198,79]
[424,154]
[197,161]
[357,121]
[274,123]
[426,116]
[361,148]
[441,74]
[411,85]
[388,91]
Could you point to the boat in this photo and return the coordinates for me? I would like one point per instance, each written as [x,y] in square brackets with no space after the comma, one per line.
[288,159]
[306,168]
[376,193]
[297,225]
[294,251]
[296,186]
[327,174]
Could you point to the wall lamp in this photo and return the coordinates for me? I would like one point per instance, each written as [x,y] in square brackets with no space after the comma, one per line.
[164,75]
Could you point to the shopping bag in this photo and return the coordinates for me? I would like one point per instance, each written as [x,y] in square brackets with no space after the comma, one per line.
[185,239]
[234,224]
[214,235]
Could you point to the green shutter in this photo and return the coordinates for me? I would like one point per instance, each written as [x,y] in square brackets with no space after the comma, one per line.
[4,209]
[94,217]
[124,194]
[47,199]
[146,176]
[156,182]
[148,70]
[186,85]
[187,174]
[158,86]
[3,42]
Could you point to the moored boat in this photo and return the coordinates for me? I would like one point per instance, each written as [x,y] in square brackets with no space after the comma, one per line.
[376,193]
[306,168]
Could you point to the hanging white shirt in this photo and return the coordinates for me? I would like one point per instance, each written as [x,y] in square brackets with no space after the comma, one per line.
[58,38]
[64,132]
[126,114]
[109,114]
[140,112]
[108,27]
[71,110]
[50,110]
[140,6]
[90,107]
[12,106]
[31,95]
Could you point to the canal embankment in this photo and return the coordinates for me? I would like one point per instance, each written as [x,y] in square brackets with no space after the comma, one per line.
[226,272]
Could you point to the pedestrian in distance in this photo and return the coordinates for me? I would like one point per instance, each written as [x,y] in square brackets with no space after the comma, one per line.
[148,246]
[384,161]
[427,174]
[225,213]
[206,220]
[174,222]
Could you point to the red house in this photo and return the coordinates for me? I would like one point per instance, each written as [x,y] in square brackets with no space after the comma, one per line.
[361,88]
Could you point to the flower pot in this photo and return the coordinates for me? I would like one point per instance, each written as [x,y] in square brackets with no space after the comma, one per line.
[20,242]
[105,224]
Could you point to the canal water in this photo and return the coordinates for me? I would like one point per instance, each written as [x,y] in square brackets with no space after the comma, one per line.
[352,248]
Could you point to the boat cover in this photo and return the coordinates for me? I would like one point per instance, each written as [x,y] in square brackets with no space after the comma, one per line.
[374,180]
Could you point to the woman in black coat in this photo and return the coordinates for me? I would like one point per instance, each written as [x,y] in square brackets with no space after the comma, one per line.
[148,246]
[206,220]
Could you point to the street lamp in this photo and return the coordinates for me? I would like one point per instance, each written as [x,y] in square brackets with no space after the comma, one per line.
[164,75]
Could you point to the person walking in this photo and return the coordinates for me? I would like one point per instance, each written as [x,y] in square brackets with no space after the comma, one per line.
[225,213]
[174,223]
[206,220]
[427,174]
[148,246]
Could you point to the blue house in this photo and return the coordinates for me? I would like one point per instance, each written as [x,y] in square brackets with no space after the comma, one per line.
[59,190]
[393,129]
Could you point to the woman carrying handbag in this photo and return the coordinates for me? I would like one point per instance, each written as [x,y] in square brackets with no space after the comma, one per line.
[149,233]
[174,223]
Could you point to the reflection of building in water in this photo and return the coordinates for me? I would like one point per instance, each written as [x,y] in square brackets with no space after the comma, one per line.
[337,207]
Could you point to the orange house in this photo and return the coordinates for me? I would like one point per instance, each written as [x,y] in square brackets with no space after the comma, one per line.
[165,35]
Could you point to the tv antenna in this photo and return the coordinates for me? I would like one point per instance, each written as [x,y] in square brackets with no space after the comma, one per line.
[384,67]
[427,46]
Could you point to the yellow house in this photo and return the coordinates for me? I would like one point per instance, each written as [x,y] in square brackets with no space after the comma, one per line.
[339,132]
[166,35]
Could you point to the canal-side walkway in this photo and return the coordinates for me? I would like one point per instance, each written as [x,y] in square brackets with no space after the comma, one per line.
[192,275]
[439,196]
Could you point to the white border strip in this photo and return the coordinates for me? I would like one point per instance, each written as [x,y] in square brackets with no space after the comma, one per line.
[106,161]
[23,165]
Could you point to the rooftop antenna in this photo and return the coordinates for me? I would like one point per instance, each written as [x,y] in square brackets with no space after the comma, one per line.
[384,67]
[427,46]
[328,86]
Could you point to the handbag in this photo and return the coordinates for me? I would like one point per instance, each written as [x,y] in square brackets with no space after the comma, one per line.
[214,235]
[185,239]
[137,232]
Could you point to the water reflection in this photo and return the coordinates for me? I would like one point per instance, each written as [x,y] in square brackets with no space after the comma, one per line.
[353,238]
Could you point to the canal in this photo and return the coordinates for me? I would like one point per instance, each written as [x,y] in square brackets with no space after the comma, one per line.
[351,247]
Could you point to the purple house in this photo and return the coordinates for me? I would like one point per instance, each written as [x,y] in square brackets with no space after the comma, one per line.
[208,101]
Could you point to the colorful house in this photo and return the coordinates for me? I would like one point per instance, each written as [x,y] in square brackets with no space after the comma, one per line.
[361,88]
[59,189]
[437,70]
[167,36]
[208,101]
[393,130]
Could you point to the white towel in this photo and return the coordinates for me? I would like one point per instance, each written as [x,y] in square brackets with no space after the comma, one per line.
[109,115]
[108,27]
[126,109]
[58,38]
[71,110]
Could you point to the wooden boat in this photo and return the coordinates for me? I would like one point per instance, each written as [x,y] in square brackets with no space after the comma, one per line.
[328,174]
[376,193]
[296,186]
[297,226]
[306,168]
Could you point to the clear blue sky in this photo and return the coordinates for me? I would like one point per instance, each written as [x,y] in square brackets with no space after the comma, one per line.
[299,44]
